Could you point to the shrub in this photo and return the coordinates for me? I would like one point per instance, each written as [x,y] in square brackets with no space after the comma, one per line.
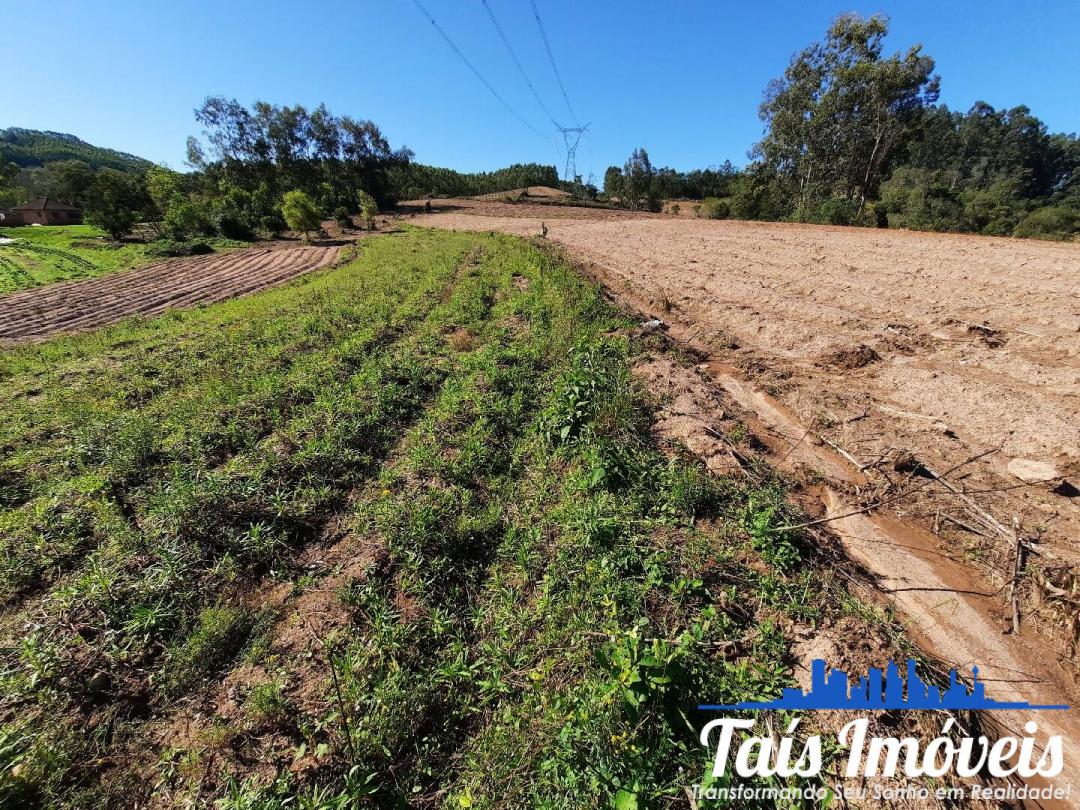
[1051,222]
[300,212]
[995,210]
[757,195]
[341,216]
[115,202]
[232,228]
[830,211]
[368,210]
[675,208]
[234,215]
[715,208]
[914,198]
[265,703]
[273,224]
[877,214]
[186,218]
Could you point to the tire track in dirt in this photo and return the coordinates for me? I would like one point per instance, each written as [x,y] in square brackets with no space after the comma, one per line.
[175,283]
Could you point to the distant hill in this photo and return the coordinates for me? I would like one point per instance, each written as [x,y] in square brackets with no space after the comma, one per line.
[32,147]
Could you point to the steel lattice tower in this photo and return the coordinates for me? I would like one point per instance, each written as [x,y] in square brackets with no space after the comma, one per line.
[572,137]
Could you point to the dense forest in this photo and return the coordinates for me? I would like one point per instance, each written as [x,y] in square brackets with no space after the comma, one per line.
[415,180]
[855,137]
[31,147]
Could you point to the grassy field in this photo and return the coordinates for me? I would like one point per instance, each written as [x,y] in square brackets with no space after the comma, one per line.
[50,253]
[394,534]
[42,255]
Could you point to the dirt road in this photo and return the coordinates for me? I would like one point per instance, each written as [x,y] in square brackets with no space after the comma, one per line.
[78,305]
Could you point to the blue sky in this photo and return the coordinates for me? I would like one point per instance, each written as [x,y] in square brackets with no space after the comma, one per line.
[681,78]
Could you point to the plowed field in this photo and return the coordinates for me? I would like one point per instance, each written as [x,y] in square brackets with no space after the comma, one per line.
[938,345]
[77,305]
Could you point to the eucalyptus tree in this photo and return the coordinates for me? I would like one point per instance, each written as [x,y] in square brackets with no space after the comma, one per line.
[837,118]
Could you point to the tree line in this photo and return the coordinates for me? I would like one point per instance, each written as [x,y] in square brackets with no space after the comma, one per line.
[413,181]
[31,148]
[856,137]
[252,170]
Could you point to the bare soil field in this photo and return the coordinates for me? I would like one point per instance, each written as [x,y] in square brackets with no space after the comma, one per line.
[532,212]
[977,335]
[529,191]
[910,368]
[78,305]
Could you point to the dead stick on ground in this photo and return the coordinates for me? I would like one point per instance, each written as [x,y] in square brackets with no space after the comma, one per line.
[886,501]
[793,446]
[964,525]
[328,651]
[851,458]
[1014,591]
[985,517]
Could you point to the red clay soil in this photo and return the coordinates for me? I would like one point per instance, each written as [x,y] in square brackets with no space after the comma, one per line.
[73,306]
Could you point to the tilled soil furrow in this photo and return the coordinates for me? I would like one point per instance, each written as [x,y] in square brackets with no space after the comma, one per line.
[174,283]
[99,296]
[234,283]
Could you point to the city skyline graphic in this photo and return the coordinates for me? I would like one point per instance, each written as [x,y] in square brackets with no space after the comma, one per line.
[832,689]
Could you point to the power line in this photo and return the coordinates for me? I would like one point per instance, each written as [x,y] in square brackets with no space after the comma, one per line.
[485,82]
[551,57]
[521,70]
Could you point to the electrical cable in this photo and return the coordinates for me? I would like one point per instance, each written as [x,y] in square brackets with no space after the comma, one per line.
[477,73]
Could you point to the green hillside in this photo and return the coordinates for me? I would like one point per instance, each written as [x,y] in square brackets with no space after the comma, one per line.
[32,147]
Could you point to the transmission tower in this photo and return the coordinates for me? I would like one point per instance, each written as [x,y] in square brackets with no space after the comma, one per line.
[572,137]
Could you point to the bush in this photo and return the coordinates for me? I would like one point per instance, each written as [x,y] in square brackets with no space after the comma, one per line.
[273,224]
[234,215]
[170,247]
[368,210]
[877,214]
[995,211]
[1051,222]
[115,202]
[914,198]
[830,211]
[232,228]
[756,195]
[300,212]
[715,208]
[186,218]
[341,216]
